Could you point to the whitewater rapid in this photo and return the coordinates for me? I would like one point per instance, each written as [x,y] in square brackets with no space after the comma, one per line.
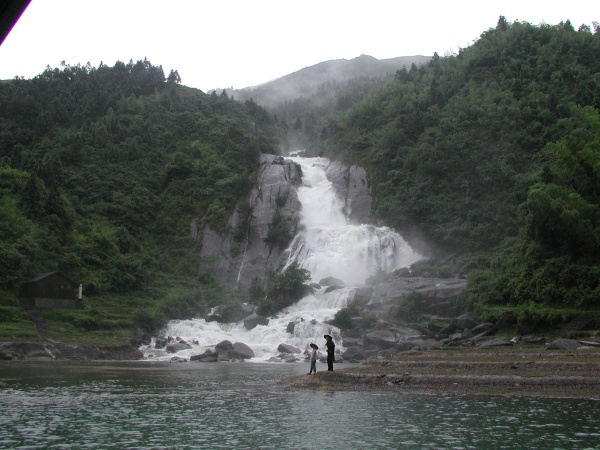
[328,245]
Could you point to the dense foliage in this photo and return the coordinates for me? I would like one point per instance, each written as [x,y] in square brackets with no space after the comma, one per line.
[283,289]
[102,171]
[492,154]
[460,151]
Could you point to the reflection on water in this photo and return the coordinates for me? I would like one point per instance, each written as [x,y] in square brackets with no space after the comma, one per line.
[170,405]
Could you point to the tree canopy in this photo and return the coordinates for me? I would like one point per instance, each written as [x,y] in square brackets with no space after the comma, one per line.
[492,152]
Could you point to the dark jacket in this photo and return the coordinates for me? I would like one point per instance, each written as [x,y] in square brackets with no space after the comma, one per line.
[330,346]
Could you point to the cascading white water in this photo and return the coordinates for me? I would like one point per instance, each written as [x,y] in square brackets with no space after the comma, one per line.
[327,245]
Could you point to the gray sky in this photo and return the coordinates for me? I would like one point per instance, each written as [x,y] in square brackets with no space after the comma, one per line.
[241,43]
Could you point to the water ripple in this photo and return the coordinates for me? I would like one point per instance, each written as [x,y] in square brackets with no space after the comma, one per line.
[239,406]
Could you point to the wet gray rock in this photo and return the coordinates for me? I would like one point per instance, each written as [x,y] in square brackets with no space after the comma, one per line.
[431,291]
[466,321]
[482,327]
[287,348]
[497,342]
[230,314]
[208,356]
[533,339]
[175,347]
[354,353]
[62,351]
[253,320]
[331,281]
[333,288]
[381,338]
[352,184]
[563,344]
[361,295]
[161,342]
[243,350]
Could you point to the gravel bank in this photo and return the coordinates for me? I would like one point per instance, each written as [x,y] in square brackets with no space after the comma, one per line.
[512,373]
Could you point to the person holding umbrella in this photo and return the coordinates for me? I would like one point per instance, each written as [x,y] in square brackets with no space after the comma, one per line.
[330,351]
[313,359]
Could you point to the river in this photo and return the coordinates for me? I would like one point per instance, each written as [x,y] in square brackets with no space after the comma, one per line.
[158,405]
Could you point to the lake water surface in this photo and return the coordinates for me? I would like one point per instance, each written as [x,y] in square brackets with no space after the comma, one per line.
[142,405]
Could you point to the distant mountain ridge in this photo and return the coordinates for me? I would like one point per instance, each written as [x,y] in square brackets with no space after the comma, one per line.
[306,82]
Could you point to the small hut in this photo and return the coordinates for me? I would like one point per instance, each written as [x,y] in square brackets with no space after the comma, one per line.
[51,290]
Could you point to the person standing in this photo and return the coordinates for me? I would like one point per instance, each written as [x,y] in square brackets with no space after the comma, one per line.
[313,359]
[330,351]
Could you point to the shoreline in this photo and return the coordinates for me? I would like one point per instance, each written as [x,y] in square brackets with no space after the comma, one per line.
[574,375]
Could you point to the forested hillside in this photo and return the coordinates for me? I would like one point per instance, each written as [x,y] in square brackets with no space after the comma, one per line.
[301,99]
[102,171]
[493,155]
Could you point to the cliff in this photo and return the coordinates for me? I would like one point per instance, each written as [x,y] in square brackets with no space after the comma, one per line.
[236,261]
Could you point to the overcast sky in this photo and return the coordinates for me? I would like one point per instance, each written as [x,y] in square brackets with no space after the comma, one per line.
[241,43]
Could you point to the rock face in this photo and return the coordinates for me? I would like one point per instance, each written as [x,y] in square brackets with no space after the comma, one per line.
[432,292]
[239,262]
[353,186]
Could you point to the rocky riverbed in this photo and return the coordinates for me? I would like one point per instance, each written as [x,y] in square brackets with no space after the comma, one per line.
[511,372]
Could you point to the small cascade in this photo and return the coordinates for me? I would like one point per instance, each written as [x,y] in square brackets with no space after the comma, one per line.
[327,246]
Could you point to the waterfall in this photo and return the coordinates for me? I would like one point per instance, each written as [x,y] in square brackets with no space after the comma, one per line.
[327,246]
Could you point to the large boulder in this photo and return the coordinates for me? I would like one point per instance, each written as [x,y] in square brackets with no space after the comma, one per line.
[243,350]
[465,321]
[380,338]
[207,356]
[160,342]
[253,320]
[287,348]
[431,290]
[229,314]
[354,353]
[331,281]
[362,295]
[335,287]
[175,347]
[564,344]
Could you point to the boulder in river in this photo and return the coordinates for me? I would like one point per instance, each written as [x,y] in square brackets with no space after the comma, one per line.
[207,356]
[243,350]
[253,320]
[287,348]
[177,347]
